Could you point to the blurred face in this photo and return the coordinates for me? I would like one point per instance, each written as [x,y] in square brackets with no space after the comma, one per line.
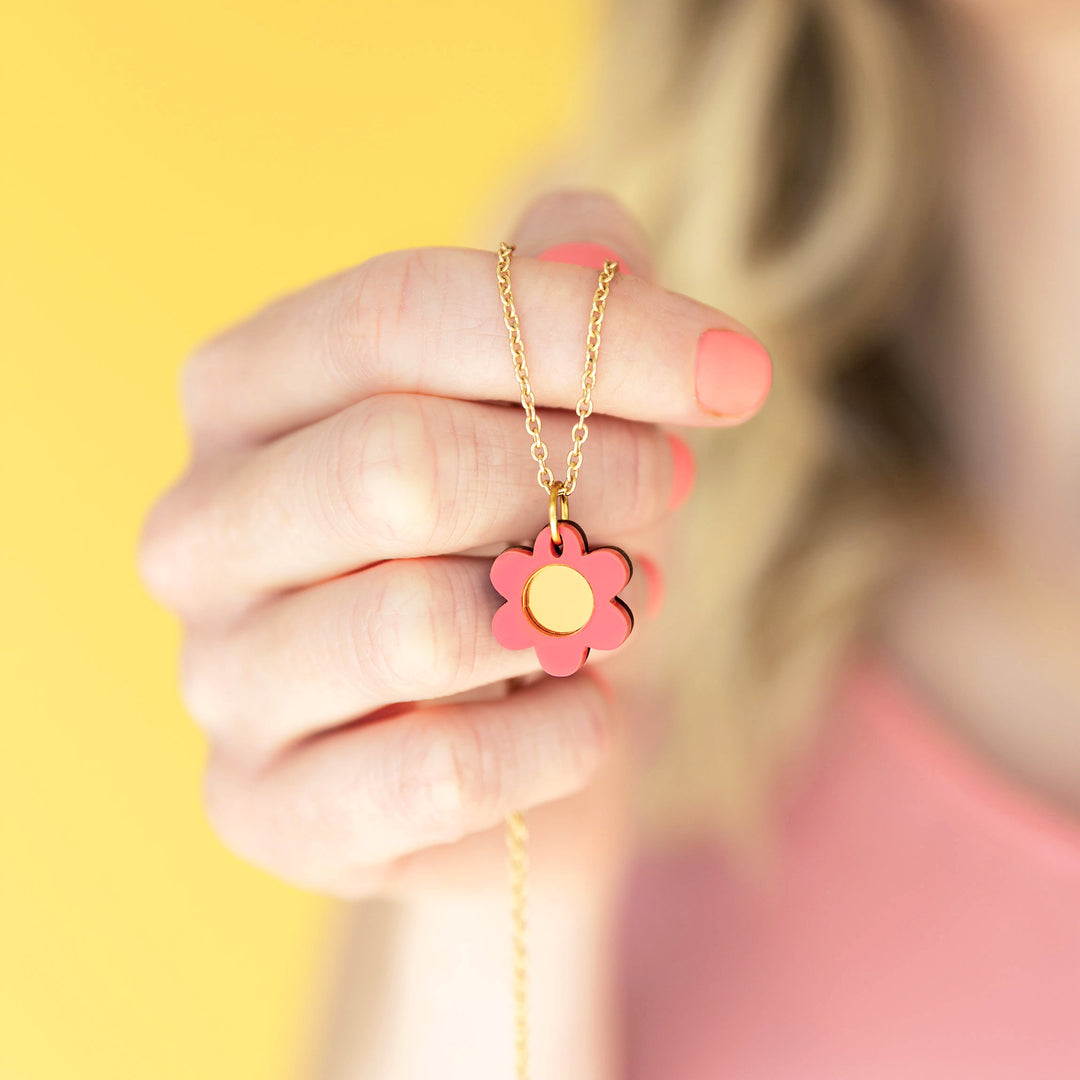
[1013,384]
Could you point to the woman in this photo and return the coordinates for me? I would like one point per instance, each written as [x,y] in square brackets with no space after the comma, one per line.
[818,817]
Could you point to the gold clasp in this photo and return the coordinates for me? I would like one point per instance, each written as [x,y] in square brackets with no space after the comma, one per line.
[558,509]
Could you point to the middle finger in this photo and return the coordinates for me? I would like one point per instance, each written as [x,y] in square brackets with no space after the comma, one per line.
[397,476]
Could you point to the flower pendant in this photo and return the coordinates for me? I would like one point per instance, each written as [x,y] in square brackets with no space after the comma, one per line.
[561,598]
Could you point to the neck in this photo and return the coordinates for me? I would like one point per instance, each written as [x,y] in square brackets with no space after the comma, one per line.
[991,628]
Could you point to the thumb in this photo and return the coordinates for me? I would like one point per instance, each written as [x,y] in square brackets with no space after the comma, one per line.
[583,227]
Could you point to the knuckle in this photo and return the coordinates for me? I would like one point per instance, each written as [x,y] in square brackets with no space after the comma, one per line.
[179,547]
[225,687]
[381,303]
[163,561]
[274,830]
[383,474]
[199,386]
[153,557]
[403,639]
[277,834]
[448,784]
[253,824]
[205,686]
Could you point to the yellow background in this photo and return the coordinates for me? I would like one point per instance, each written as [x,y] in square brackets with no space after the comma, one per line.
[166,168]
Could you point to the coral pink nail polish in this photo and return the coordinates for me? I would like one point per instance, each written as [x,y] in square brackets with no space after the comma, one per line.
[683,469]
[733,374]
[581,253]
[654,584]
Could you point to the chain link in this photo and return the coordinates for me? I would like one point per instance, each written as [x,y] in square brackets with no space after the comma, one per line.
[580,431]
[517,834]
[517,847]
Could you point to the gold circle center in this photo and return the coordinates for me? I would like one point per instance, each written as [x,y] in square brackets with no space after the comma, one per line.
[558,599]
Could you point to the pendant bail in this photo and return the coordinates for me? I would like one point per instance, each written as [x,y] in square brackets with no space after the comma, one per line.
[558,509]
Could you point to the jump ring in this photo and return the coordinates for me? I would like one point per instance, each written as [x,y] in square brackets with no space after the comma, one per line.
[558,509]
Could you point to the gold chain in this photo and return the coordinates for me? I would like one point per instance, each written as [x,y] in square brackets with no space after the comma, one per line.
[517,845]
[580,431]
[517,833]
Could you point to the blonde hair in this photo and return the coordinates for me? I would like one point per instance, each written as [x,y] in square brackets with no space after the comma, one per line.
[780,154]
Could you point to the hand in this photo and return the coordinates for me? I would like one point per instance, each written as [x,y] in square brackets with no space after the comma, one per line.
[352,445]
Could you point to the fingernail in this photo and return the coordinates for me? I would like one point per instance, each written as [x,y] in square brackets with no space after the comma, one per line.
[654,585]
[683,469]
[733,373]
[580,253]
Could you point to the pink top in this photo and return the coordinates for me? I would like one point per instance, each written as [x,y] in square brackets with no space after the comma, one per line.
[922,921]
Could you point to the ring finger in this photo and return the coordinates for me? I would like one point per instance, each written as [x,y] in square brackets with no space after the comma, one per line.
[404,630]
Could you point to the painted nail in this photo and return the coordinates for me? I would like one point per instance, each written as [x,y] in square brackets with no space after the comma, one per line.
[580,253]
[683,469]
[654,584]
[733,373]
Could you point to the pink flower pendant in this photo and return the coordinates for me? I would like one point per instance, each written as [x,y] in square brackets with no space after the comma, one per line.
[561,602]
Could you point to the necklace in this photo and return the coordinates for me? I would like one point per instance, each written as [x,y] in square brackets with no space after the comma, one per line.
[561,596]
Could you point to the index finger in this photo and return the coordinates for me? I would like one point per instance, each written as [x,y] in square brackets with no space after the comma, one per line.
[430,321]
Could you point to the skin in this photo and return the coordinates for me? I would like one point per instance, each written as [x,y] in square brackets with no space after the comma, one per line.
[325,565]
[306,518]
[321,548]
